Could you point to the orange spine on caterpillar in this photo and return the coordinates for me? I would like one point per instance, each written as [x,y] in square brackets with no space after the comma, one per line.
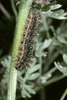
[27,46]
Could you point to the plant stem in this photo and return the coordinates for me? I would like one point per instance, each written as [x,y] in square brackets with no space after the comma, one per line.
[13,8]
[12,83]
[64,95]
[23,14]
[5,12]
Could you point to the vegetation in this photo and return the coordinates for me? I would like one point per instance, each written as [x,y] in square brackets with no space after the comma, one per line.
[49,64]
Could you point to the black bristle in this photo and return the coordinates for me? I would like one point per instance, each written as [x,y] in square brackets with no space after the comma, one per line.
[26,48]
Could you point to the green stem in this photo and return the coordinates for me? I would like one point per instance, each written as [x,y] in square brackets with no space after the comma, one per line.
[23,14]
[64,95]
[5,12]
[13,7]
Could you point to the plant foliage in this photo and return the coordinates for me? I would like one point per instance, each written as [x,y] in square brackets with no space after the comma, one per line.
[51,43]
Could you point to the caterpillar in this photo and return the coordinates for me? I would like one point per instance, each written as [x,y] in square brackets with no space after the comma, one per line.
[27,46]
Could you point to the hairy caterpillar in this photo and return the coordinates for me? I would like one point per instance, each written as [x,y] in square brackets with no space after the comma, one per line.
[26,49]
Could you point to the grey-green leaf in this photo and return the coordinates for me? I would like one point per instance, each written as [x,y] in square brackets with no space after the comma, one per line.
[65,58]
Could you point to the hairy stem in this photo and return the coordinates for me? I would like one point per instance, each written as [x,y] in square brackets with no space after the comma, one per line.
[23,13]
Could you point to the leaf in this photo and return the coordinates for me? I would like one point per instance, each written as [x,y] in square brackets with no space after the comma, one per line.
[46,43]
[25,93]
[61,68]
[59,14]
[54,7]
[32,70]
[34,76]
[27,90]
[62,40]
[30,89]
[65,58]
[6,62]
[38,51]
